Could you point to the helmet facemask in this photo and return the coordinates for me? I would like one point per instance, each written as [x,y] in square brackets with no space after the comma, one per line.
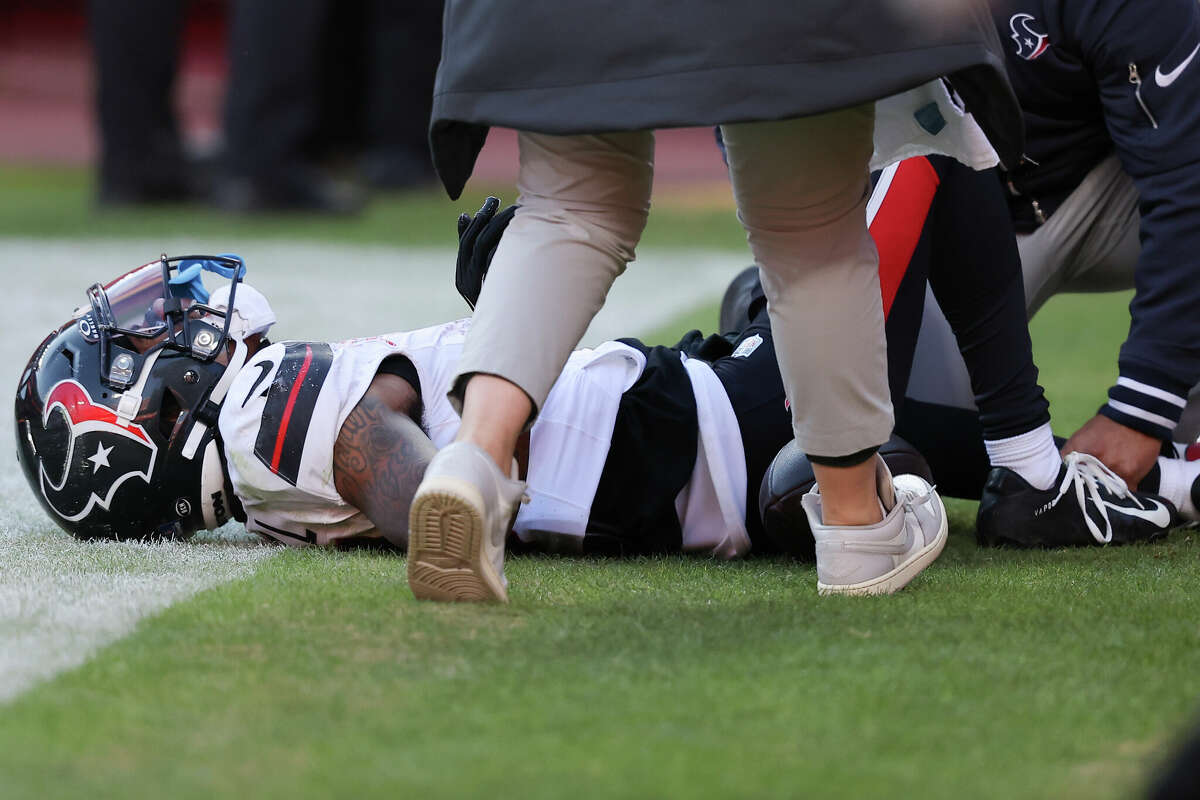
[162,304]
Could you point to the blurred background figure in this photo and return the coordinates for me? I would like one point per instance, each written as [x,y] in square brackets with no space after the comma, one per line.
[136,45]
[404,42]
[313,84]
[138,89]
[253,105]
[130,86]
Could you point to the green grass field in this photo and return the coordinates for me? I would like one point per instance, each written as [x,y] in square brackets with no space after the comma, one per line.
[996,674]
[57,202]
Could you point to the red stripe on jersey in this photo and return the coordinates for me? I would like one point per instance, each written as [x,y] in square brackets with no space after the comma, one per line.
[897,226]
[287,410]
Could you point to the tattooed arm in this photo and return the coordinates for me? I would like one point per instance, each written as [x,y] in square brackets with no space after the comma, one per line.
[380,456]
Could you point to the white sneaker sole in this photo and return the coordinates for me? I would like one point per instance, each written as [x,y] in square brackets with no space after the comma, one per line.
[447,558]
[898,578]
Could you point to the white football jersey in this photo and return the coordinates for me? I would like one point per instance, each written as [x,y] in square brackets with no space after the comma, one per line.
[285,408]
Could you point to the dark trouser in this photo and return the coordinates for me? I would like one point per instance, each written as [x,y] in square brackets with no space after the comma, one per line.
[967,250]
[272,108]
[305,73]
[136,45]
[404,43]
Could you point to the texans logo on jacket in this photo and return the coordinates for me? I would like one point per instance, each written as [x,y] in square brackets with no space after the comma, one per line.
[1030,43]
[85,444]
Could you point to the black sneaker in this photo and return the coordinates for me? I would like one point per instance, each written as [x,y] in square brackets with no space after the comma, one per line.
[1090,505]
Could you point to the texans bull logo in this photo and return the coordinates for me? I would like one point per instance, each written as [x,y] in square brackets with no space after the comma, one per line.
[1030,43]
[86,446]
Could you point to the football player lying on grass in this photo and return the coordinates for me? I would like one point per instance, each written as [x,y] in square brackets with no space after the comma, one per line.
[153,411]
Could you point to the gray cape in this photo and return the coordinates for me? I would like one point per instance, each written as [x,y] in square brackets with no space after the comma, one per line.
[591,66]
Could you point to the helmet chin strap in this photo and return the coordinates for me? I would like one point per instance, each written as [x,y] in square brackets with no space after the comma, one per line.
[130,402]
[216,397]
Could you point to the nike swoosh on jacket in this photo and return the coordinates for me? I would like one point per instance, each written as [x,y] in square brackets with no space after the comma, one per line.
[1166,79]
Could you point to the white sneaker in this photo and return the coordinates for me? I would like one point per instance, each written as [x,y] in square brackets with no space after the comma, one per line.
[459,520]
[880,558]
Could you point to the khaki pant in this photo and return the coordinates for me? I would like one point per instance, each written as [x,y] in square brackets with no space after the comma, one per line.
[801,191]
[1089,244]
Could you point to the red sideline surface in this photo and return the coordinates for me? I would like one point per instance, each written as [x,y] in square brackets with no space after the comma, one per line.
[47,110]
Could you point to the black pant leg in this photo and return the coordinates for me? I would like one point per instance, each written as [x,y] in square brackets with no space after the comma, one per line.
[949,439]
[976,278]
[273,102]
[136,47]
[403,46]
[902,323]
[903,198]
[340,128]
[974,270]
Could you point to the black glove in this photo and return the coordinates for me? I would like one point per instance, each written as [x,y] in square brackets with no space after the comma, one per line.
[478,237]
[696,345]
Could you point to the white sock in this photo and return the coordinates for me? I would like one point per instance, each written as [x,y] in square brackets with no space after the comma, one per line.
[1032,455]
[1175,480]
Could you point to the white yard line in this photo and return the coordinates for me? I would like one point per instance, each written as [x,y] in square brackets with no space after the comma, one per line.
[62,599]
[336,291]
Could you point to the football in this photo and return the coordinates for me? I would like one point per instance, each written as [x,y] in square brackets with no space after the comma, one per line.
[790,476]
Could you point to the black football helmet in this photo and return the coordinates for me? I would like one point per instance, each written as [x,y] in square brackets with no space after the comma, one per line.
[116,412]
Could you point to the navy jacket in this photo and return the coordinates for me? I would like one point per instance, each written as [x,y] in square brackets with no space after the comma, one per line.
[1094,76]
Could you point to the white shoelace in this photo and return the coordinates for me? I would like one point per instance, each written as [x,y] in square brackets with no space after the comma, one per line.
[1087,474]
[911,499]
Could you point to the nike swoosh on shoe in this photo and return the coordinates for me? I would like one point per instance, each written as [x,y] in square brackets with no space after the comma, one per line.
[1160,515]
[1165,79]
